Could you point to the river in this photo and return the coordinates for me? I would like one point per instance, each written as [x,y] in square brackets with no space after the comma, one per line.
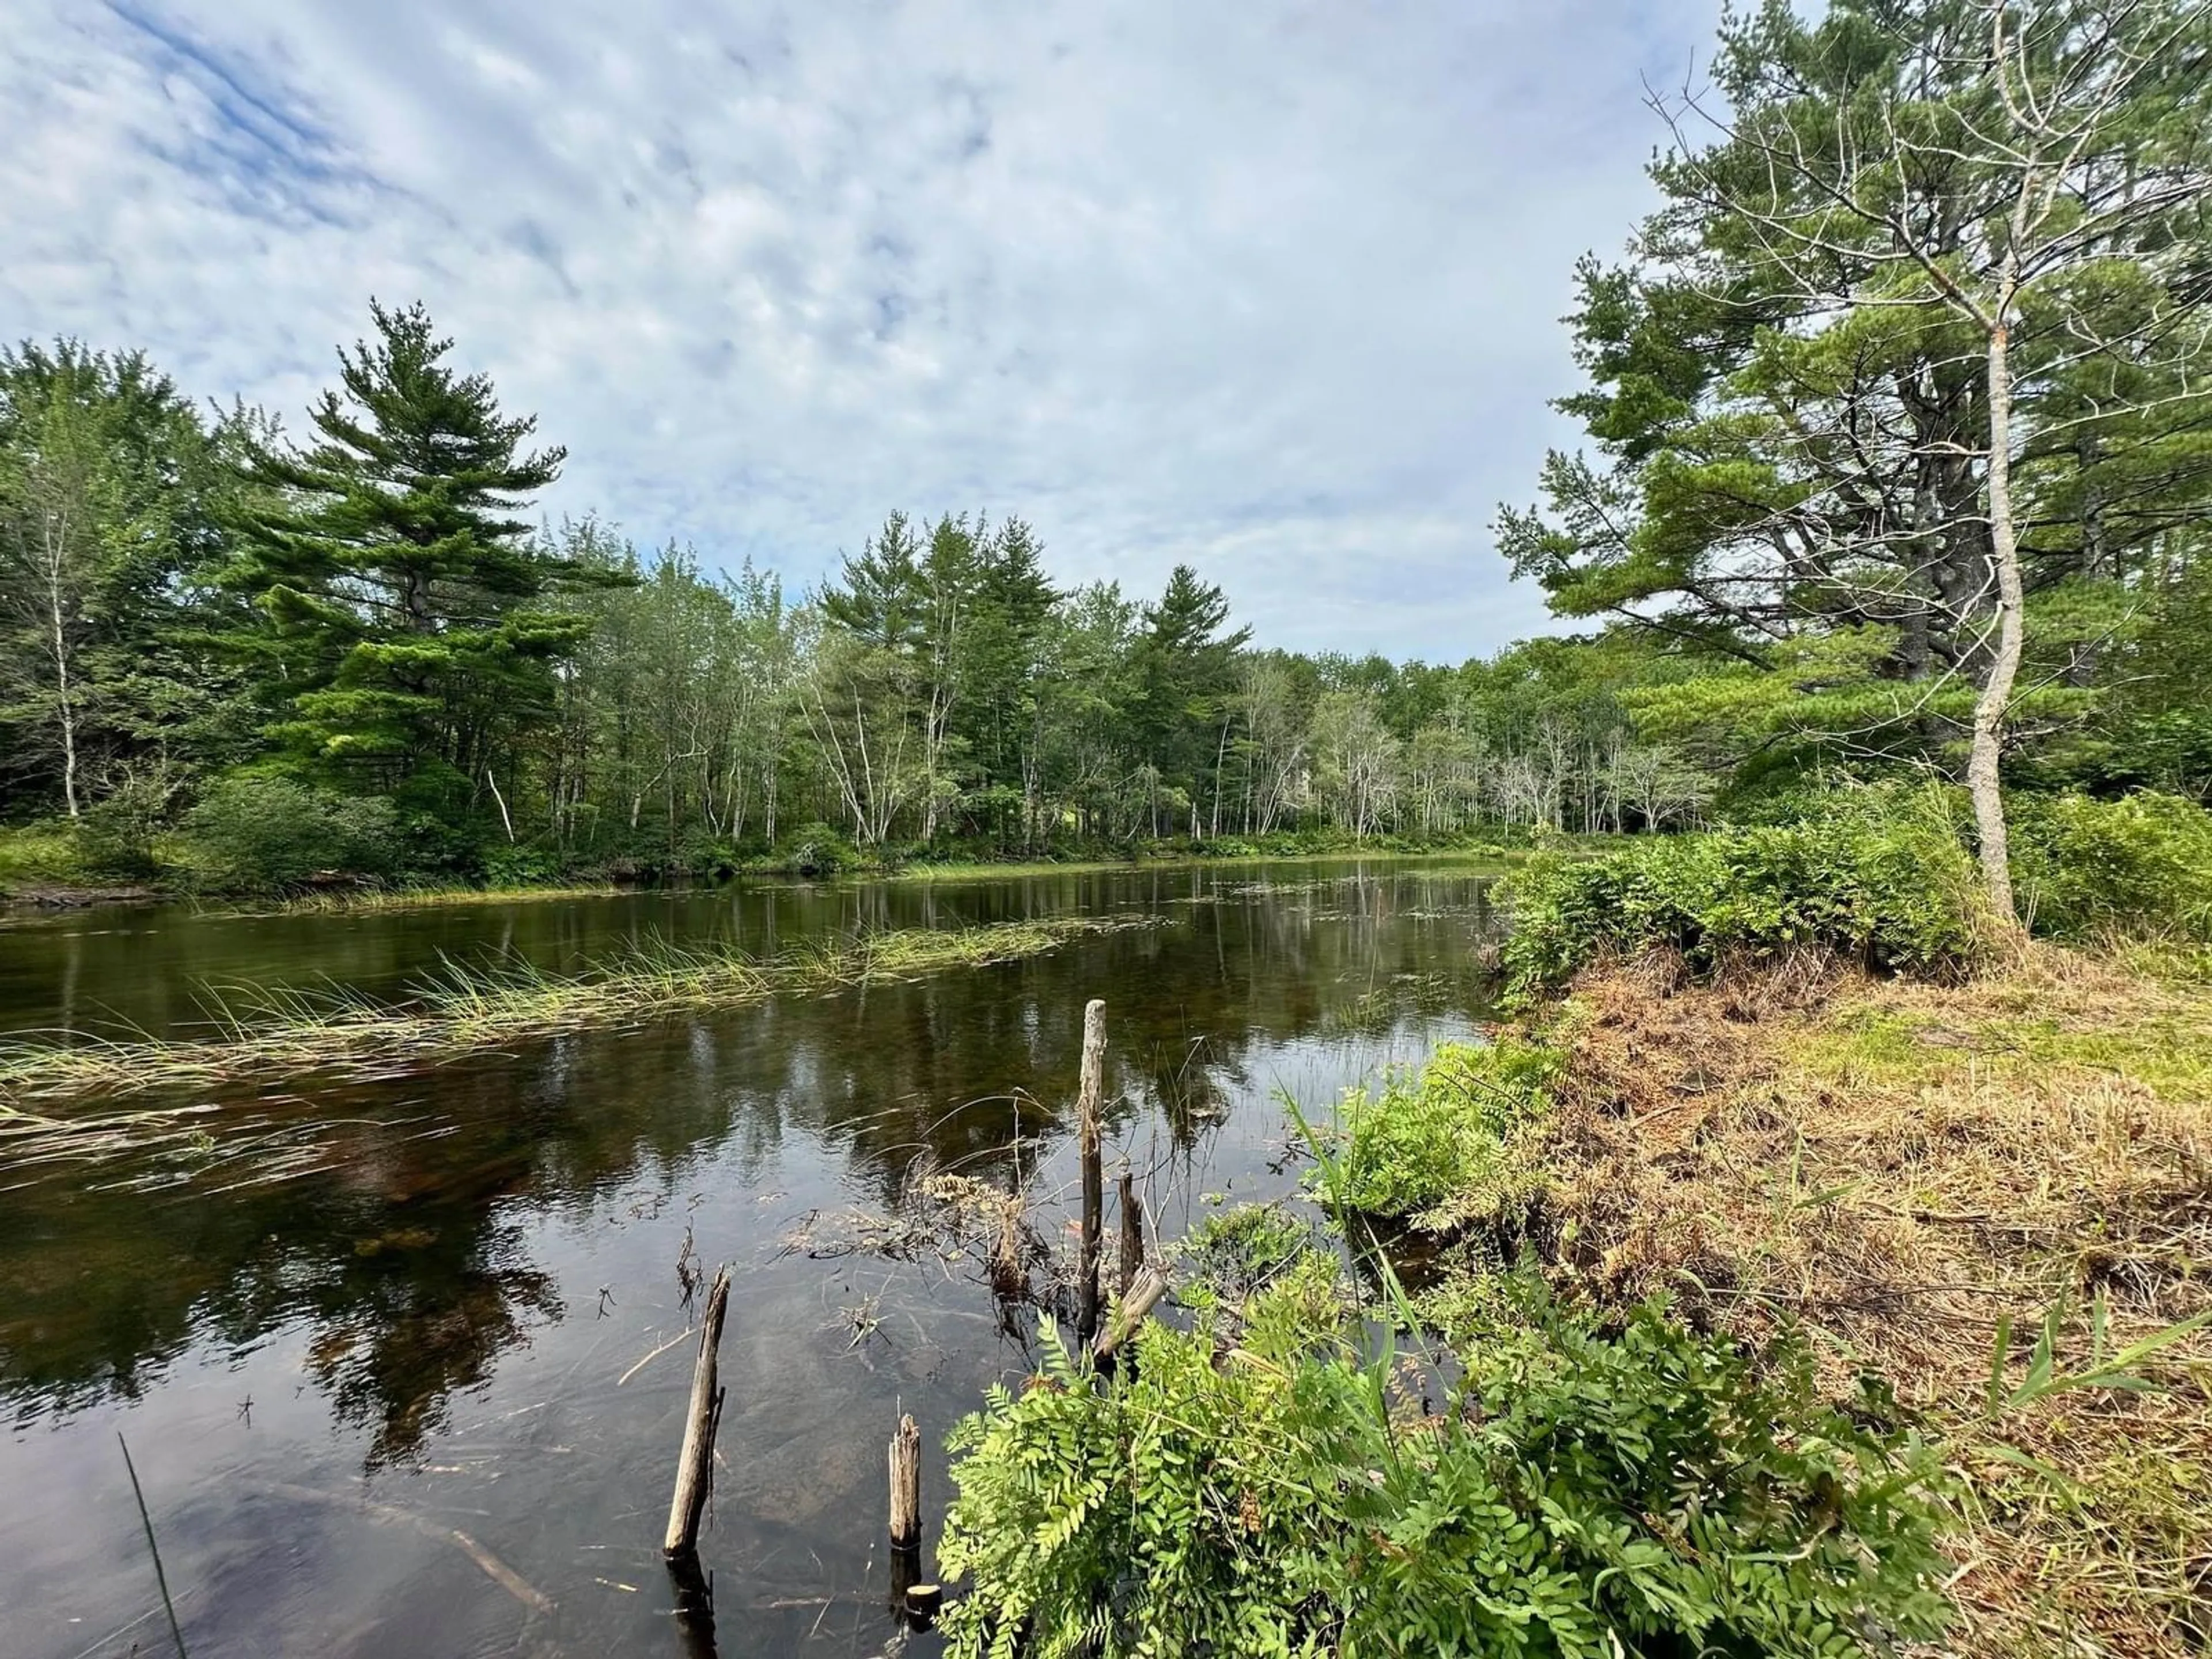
[415,1307]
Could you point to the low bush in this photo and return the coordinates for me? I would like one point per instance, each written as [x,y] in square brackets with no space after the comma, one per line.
[255,831]
[815,849]
[1236,1251]
[1895,888]
[1452,1145]
[2086,869]
[1573,1492]
[40,854]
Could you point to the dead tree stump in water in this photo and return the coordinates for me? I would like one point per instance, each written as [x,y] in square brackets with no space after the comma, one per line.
[695,1465]
[1089,1103]
[905,1487]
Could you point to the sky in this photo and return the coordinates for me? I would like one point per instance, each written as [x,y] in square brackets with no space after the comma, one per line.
[1273,290]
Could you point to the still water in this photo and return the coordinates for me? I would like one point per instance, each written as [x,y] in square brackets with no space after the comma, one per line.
[350,1376]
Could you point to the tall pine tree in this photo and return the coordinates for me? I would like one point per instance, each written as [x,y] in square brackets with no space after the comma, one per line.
[398,581]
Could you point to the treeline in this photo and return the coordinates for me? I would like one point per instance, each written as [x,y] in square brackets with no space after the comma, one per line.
[1898,462]
[357,652]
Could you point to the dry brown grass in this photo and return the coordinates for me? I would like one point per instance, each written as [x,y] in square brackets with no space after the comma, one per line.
[1896,1167]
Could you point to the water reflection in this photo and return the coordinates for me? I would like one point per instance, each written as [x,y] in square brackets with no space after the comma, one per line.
[506,1232]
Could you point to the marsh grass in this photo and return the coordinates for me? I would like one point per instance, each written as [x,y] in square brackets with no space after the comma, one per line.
[331,1031]
[377,900]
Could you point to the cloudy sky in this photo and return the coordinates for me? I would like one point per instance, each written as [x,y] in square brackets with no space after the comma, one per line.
[1273,290]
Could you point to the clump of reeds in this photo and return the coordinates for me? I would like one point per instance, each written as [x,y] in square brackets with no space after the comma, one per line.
[347,901]
[463,1006]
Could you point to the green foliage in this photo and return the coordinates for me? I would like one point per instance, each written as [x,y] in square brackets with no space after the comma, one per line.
[392,583]
[1890,885]
[1233,1253]
[253,830]
[1573,1492]
[1456,1144]
[2086,869]
[38,855]
[816,849]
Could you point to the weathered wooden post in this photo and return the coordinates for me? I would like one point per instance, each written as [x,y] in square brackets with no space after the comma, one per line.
[695,1464]
[1090,1105]
[906,1487]
[913,1599]
[1132,1233]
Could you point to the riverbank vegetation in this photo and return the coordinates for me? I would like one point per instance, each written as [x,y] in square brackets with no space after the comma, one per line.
[466,1007]
[1814,1267]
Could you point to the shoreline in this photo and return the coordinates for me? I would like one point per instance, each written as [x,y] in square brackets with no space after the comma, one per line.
[53,898]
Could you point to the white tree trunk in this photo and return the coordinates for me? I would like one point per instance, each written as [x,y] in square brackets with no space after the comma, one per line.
[57,569]
[1989,709]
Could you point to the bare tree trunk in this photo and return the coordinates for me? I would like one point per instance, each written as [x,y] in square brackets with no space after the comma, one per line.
[57,552]
[2004,666]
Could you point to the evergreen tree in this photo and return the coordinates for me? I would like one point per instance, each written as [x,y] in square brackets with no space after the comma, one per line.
[397,579]
[1188,676]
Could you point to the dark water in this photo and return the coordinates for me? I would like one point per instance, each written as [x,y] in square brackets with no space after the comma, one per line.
[425,1326]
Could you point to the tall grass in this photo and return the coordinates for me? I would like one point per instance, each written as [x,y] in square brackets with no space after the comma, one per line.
[464,1007]
[353,901]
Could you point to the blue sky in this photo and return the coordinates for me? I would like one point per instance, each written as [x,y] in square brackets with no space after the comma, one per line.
[1273,290]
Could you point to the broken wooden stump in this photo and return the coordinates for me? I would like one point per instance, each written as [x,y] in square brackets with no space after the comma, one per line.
[905,1487]
[1132,1233]
[1151,1284]
[695,1464]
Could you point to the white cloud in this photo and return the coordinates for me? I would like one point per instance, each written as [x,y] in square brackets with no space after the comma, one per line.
[1273,290]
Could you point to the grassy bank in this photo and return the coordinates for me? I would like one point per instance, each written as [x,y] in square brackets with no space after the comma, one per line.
[1992,1193]
[1983,1191]
[43,864]
[466,1009]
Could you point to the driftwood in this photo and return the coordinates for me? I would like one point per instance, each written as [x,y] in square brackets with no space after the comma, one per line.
[1089,1103]
[695,1466]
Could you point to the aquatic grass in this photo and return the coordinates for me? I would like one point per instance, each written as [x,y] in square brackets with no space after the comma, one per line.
[366,900]
[462,1007]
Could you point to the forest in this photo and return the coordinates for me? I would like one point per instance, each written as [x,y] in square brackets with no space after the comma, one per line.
[242,661]
[358,655]
[1888,489]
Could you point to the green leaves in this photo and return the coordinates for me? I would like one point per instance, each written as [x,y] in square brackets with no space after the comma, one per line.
[1456,1147]
[1576,1492]
[1885,880]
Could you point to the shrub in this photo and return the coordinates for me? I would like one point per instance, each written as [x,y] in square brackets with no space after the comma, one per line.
[522,865]
[253,830]
[2085,869]
[1452,1146]
[1573,1493]
[816,849]
[34,854]
[1235,1252]
[1895,888]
